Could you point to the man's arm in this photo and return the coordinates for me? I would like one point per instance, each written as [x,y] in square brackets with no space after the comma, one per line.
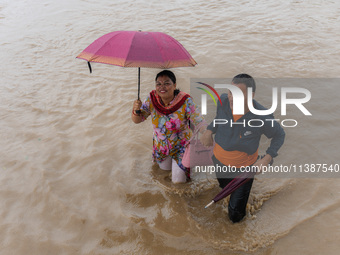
[206,138]
[275,132]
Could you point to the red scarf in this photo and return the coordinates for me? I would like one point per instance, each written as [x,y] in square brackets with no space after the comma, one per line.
[166,110]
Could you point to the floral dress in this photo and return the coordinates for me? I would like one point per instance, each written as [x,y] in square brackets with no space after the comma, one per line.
[171,126]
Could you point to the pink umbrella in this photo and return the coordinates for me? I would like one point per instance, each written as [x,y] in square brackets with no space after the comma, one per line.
[137,49]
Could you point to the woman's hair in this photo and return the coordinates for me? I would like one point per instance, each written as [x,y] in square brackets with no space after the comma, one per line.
[167,73]
[245,79]
[171,76]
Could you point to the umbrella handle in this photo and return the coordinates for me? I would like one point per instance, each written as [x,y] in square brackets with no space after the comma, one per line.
[90,68]
[138,82]
[138,111]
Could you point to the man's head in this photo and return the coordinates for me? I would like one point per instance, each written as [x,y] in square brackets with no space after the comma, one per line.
[243,81]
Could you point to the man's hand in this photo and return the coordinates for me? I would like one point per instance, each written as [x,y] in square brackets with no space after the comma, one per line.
[206,138]
[262,162]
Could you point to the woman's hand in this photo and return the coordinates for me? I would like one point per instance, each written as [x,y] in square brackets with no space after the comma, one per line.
[206,138]
[137,105]
[136,118]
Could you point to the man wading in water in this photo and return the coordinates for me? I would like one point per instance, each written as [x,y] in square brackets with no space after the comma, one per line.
[237,145]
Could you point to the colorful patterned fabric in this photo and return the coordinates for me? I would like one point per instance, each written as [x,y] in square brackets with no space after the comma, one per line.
[171,131]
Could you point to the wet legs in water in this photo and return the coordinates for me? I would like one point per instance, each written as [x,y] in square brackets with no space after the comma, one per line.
[238,199]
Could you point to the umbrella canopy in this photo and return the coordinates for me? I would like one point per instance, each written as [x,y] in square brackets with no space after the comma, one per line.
[138,49]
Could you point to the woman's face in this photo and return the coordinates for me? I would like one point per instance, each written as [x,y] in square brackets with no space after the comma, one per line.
[165,87]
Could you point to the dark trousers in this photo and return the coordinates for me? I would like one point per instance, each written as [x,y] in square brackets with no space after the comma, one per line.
[239,198]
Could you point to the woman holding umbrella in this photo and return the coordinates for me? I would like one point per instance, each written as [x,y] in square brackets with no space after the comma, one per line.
[170,110]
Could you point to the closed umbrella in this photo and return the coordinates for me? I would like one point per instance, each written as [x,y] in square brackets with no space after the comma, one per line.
[234,184]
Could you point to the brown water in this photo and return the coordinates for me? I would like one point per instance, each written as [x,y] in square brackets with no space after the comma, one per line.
[76,175]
